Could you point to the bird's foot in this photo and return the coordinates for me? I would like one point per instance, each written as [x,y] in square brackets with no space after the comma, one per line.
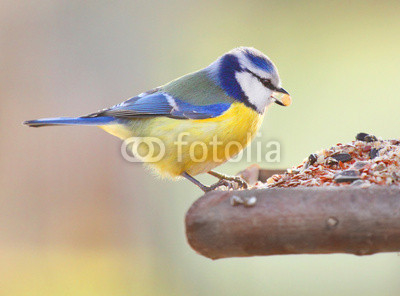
[232,182]
[212,187]
[237,182]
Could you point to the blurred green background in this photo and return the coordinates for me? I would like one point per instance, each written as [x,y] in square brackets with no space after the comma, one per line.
[76,219]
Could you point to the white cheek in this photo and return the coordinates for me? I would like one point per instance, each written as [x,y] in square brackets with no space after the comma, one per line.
[257,93]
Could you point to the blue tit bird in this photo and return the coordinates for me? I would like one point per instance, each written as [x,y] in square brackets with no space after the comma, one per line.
[223,103]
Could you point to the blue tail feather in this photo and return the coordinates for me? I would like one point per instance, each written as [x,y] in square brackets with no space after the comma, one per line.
[70,121]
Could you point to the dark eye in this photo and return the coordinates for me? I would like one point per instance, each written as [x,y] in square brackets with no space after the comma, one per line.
[266,81]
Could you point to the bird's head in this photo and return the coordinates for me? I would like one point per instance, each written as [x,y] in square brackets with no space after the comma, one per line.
[249,76]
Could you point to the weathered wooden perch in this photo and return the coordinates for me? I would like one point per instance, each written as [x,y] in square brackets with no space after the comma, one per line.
[296,221]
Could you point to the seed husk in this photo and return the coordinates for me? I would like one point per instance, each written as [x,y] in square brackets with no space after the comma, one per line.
[380,167]
[359,165]
[358,183]
[366,137]
[347,176]
[370,138]
[373,153]
[376,163]
[343,157]
[292,171]
[331,161]
[361,136]
[312,158]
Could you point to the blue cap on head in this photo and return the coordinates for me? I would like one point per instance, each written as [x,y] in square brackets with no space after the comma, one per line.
[259,61]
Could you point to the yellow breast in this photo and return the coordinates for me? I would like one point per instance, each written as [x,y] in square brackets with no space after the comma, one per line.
[192,146]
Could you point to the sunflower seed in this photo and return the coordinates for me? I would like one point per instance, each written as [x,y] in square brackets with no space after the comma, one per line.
[343,157]
[373,153]
[358,183]
[366,137]
[312,158]
[361,136]
[347,176]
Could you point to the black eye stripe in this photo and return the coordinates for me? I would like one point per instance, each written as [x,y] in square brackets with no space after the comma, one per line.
[265,82]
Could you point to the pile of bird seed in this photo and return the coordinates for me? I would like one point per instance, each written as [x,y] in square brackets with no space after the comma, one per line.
[363,162]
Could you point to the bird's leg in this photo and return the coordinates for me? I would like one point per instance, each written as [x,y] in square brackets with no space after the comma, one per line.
[232,179]
[205,188]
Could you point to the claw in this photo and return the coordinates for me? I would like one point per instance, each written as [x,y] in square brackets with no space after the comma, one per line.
[242,184]
[220,183]
[231,182]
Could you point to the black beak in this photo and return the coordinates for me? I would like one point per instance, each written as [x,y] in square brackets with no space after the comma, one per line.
[282,97]
[281,90]
[279,103]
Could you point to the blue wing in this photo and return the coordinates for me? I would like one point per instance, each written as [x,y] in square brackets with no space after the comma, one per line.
[150,104]
[155,103]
